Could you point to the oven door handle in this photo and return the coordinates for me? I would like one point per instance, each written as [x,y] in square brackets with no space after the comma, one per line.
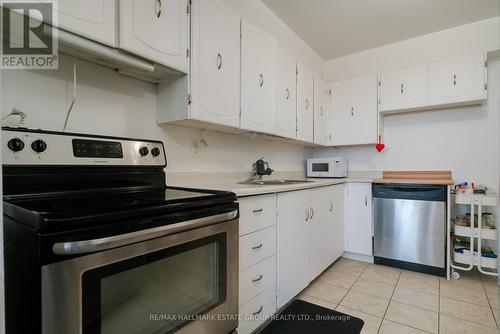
[95,245]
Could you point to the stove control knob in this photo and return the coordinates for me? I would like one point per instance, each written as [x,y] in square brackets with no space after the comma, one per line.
[143,151]
[39,146]
[15,144]
[155,152]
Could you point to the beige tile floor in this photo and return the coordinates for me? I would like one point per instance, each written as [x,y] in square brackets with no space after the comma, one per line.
[394,301]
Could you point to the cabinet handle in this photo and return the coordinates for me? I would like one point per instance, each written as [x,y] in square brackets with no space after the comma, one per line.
[454,79]
[287,93]
[158,8]
[261,80]
[219,61]
[312,212]
[258,246]
[307,103]
[352,111]
[402,88]
[331,206]
[258,311]
[307,214]
[258,278]
[258,210]
[366,200]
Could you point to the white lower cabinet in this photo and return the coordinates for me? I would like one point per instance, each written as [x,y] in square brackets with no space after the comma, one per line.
[257,261]
[319,225]
[257,310]
[358,218]
[336,219]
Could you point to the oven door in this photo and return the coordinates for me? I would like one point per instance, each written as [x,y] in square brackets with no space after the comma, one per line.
[185,282]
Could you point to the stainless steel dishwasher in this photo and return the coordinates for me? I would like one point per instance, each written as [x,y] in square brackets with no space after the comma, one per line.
[410,226]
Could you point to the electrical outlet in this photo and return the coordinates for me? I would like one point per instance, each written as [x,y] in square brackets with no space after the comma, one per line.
[195,149]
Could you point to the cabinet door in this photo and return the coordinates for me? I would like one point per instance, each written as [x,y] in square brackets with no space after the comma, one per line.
[354,114]
[92,19]
[404,89]
[319,222]
[336,219]
[305,103]
[358,222]
[215,63]
[156,30]
[258,79]
[293,244]
[286,111]
[458,80]
[320,112]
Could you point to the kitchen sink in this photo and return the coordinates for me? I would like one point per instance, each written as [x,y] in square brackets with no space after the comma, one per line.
[274,182]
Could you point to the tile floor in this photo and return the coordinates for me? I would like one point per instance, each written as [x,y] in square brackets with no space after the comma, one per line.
[394,301]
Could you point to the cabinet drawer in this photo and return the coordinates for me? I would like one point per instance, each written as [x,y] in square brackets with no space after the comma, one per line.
[257,246]
[256,311]
[256,279]
[257,213]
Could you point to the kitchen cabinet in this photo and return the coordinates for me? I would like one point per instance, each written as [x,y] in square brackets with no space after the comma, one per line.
[92,19]
[336,221]
[354,111]
[157,30]
[215,63]
[319,224]
[458,81]
[305,104]
[292,244]
[286,97]
[358,218]
[320,112]
[404,89]
[258,80]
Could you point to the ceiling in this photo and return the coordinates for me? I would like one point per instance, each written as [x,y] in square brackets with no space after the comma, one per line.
[335,28]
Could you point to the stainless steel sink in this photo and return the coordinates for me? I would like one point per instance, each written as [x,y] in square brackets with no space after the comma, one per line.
[274,182]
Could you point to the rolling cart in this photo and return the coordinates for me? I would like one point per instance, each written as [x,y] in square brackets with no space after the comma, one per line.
[473,234]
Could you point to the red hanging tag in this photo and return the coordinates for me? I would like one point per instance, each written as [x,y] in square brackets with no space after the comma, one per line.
[379,146]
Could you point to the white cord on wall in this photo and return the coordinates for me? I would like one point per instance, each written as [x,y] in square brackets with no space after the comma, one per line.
[74,97]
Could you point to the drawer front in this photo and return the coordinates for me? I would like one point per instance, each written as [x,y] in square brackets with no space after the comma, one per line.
[256,279]
[257,213]
[257,246]
[256,311]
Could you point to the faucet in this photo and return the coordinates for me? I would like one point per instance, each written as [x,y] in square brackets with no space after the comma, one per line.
[260,168]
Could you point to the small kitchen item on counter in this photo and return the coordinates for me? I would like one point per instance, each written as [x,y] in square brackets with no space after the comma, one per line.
[327,167]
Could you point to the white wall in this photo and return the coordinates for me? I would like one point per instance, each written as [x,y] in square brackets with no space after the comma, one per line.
[464,140]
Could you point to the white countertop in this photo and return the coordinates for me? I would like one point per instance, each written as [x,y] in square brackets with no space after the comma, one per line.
[242,190]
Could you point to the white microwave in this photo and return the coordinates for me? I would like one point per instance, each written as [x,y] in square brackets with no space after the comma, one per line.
[327,167]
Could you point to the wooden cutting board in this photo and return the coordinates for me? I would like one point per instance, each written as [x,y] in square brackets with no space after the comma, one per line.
[418,177]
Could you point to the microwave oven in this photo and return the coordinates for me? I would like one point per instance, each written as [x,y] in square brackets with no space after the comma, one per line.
[327,167]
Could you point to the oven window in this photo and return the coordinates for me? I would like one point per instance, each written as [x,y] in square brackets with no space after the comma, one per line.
[320,167]
[158,292]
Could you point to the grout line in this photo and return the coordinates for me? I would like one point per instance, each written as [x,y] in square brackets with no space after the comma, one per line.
[439,306]
[489,303]
[390,300]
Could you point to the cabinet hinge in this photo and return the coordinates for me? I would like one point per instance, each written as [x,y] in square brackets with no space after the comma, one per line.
[380,83]
[190,99]
[188,53]
[485,86]
[378,101]
[240,112]
[485,63]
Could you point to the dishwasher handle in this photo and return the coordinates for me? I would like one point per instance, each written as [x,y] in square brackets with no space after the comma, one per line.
[421,192]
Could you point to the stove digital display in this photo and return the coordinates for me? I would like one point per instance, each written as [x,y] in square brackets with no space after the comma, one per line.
[83,148]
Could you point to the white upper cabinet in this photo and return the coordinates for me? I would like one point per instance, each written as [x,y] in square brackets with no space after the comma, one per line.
[457,81]
[215,63]
[258,79]
[305,104]
[404,89]
[156,30]
[354,111]
[320,112]
[93,19]
[286,97]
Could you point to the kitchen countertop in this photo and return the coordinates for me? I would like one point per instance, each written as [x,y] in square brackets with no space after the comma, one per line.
[416,177]
[217,181]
